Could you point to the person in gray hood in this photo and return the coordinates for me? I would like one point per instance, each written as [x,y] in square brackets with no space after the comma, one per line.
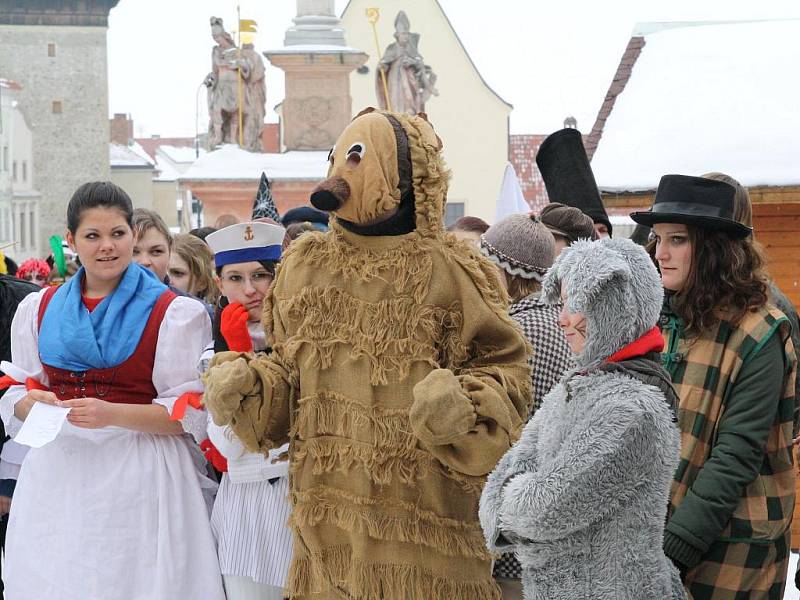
[582,496]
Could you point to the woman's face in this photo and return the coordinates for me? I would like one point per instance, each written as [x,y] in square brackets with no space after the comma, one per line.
[573,325]
[104,243]
[561,243]
[151,251]
[180,276]
[245,283]
[673,254]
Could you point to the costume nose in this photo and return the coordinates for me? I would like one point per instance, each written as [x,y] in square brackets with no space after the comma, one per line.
[325,200]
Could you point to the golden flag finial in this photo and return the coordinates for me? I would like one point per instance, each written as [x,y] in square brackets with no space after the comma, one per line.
[373,14]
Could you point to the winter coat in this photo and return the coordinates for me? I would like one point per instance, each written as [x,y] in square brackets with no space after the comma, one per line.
[733,493]
[582,497]
[549,361]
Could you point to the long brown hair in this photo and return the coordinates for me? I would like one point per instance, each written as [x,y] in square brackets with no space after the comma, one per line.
[726,280]
[200,260]
[520,288]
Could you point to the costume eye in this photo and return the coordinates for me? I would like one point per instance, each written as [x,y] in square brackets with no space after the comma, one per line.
[330,154]
[355,153]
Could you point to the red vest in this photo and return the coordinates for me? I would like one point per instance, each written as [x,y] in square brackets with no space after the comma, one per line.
[128,383]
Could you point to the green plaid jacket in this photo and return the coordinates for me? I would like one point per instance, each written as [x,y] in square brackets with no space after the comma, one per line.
[751,553]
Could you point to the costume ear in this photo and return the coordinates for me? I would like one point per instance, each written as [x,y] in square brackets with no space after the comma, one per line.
[366,111]
[424,117]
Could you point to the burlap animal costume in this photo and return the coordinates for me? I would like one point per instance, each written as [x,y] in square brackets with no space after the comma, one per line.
[396,375]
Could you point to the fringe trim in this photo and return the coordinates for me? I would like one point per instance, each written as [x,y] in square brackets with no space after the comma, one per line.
[391,333]
[407,267]
[381,466]
[429,174]
[360,580]
[329,413]
[387,519]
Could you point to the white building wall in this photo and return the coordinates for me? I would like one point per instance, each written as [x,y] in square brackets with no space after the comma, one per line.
[19,201]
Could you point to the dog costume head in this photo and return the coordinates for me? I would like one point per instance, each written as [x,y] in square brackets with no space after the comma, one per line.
[386,176]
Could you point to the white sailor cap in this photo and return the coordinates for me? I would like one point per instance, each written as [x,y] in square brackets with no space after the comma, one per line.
[246,242]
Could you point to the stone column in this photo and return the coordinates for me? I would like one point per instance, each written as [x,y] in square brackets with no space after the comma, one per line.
[317,63]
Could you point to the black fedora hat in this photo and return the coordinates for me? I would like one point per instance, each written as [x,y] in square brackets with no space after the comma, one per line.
[567,175]
[694,201]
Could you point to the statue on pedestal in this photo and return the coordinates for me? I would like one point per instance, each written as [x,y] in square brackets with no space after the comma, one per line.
[225,94]
[409,80]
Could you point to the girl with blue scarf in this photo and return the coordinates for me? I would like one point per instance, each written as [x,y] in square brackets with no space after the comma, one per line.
[116,507]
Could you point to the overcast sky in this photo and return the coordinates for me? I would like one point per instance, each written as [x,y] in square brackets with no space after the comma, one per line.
[549,59]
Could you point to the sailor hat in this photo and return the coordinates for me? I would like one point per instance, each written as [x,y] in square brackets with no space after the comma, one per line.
[246,242]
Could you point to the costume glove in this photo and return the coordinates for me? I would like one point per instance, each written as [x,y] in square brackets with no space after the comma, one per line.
[233,327]
[227,383]
[441,411]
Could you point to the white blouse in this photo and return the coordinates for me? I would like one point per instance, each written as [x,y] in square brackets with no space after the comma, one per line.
[184,328]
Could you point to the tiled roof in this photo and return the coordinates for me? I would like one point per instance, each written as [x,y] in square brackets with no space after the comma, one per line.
[522,149]
[621,77]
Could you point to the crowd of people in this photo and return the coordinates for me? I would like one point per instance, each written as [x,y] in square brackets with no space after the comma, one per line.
[529,408]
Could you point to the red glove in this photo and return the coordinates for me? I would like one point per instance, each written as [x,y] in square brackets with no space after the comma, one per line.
[213,456]
[233,327]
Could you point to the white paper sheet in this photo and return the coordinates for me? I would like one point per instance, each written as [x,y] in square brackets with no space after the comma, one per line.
[42,425]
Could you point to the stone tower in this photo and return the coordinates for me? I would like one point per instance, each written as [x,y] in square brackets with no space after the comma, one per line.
[317,63]
[56,50]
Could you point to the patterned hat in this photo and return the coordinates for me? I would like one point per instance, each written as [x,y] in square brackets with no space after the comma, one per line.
[521,245]
[264,205]
[245,242]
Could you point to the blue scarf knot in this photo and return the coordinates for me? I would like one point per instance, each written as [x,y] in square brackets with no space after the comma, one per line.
[74,339]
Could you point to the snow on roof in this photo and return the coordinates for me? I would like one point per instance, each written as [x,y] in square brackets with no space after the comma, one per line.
[180,154]
[711,97]
[128,156]
[166,170]
[231,162]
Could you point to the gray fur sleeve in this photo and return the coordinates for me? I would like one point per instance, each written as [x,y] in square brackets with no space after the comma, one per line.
[596,471]
[520,458]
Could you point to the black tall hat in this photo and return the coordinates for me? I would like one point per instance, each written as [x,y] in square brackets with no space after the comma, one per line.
[696,201]
[567,175]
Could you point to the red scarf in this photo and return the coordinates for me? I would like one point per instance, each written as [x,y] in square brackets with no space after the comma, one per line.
[652,341]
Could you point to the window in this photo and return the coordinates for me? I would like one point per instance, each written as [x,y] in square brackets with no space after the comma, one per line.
[14,172]
[56,107]
[32,223]
[452,212]
[24,171]
[51,50]
[23,231]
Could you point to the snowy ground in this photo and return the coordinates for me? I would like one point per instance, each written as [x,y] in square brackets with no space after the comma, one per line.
[791,593]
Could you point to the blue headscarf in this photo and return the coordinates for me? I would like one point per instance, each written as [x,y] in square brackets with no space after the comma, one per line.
[73,338]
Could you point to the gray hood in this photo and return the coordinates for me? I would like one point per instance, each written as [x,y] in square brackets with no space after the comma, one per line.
[615,285]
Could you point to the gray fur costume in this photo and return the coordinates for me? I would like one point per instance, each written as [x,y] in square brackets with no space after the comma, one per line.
[582,497]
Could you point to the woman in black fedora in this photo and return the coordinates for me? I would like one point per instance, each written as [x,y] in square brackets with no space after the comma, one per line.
[733,366]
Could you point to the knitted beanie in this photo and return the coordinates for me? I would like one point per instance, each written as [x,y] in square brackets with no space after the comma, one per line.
[567,221]
[521,245]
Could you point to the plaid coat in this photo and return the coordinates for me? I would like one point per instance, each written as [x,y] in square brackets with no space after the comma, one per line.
[742,544]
